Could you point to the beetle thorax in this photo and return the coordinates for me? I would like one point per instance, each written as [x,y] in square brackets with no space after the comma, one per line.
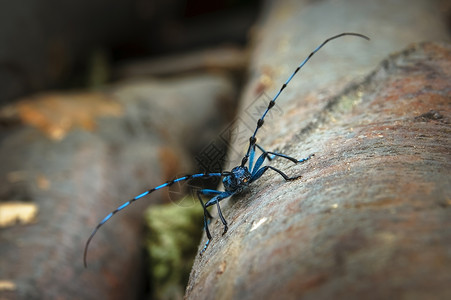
[238,180]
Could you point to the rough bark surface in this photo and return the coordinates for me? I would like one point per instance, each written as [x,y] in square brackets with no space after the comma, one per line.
[371,215]
[370,218]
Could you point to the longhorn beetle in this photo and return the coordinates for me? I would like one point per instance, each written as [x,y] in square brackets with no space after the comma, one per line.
[239,178]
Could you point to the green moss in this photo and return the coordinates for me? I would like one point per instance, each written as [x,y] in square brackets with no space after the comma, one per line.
[172,243]
[348,102]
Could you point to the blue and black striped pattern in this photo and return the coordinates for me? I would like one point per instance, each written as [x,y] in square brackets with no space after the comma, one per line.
[166,184]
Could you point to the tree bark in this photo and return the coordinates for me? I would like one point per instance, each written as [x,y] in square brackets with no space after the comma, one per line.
[370,217]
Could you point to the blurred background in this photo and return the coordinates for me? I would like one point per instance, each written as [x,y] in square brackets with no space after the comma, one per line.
[102,100]
[57,44]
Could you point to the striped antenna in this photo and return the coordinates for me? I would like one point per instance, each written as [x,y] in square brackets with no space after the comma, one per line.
[166,184]
[252,139]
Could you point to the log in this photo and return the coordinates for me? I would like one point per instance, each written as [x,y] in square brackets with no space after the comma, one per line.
[370,217]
